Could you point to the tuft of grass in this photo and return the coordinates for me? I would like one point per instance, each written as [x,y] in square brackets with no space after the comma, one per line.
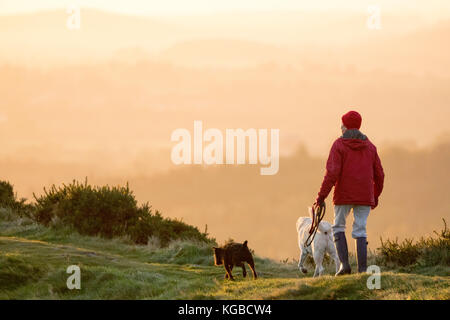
[17,271]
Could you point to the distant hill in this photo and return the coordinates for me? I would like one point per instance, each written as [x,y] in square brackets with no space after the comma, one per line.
[419,52]
[335,39]
[44,37]
[226,52]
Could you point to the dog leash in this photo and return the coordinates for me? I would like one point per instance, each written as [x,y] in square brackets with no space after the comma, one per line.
[318,212]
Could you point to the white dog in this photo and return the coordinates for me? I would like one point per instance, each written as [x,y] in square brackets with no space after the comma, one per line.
[323,242]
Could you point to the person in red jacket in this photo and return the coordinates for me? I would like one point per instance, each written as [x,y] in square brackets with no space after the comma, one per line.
[354,170]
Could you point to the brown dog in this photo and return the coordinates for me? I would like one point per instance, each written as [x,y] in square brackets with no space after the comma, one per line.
[234,254]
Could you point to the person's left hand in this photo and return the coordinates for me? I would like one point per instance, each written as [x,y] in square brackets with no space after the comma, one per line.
[376,204]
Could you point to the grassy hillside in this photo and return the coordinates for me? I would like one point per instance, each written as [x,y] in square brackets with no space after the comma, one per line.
[34,259]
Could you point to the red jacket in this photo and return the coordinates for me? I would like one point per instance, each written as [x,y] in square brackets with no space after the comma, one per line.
[355,171]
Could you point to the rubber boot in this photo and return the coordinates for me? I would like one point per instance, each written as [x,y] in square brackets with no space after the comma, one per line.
[361,252]
[342,251]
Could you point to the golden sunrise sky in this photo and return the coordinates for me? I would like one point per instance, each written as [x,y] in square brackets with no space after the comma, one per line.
[431,9]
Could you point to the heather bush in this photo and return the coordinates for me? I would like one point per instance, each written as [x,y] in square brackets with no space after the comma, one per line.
[427,251]
[8,200]
[7,195]
[108,212]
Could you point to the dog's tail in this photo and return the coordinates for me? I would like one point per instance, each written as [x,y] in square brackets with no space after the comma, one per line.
[324,227]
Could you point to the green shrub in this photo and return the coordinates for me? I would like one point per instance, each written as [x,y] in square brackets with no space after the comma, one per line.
[108,212]
[436,250]
[402,254]
[427,251]
[8,199]
[7,196]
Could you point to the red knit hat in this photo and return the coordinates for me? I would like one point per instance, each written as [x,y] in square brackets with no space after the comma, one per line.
[352,120]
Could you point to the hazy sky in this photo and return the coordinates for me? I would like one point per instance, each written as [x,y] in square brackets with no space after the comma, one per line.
[429,8]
